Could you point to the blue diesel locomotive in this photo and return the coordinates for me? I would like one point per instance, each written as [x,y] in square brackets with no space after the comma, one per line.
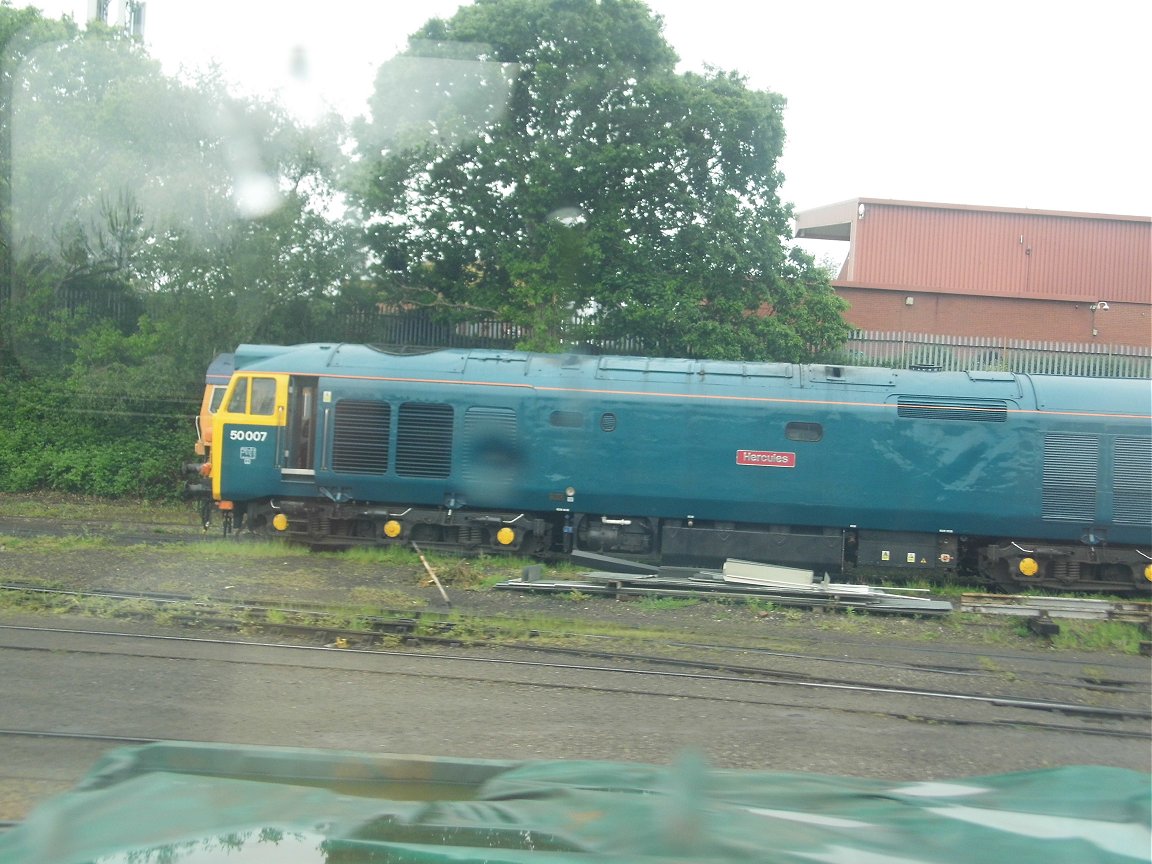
[1017,479]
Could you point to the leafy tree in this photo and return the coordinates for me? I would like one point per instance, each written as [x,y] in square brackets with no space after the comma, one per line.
[275,273]
[151,222]
[138,194]
[21,31]
[538,160]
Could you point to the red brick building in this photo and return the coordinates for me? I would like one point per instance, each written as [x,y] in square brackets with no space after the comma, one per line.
[960,270]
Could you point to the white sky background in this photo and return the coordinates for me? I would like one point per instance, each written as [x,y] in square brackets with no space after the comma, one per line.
[1011,103]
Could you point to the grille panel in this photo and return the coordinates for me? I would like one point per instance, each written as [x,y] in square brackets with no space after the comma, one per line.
[982,411]
[492,445]
[424,440]
[1071,471]
[360,437]
[1132,486]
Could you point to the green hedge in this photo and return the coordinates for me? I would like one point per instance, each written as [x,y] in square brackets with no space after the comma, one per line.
[54,438]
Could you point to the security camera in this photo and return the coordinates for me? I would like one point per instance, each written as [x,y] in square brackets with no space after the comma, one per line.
[1099,307]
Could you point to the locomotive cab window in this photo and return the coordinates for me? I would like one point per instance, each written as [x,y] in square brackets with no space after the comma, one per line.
[238,404]
[263,395]
[798,431]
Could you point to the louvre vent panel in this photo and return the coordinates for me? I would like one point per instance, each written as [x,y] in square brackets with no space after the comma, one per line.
[492,445]
[501,421]
[1132,488]
[1071,471]
[914,408]
[424,440]
[360,437]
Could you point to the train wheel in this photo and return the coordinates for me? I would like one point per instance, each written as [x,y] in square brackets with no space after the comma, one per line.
[1001,575]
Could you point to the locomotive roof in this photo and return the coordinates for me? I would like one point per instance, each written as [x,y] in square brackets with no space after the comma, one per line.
[1101,395]
[220,369]
[1054,393]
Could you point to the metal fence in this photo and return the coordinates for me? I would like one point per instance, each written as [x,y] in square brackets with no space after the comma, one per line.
[417,330]
[911,350]
[865,347]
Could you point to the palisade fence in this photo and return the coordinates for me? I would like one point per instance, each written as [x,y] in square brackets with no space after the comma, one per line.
[865,348]
[418,330]
[922,350]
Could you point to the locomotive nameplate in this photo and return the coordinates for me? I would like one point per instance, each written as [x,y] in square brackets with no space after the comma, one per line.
[766,458]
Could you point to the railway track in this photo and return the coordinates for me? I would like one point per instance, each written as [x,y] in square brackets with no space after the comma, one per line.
[95,686]
[126,533]
[650,669]
[326,625]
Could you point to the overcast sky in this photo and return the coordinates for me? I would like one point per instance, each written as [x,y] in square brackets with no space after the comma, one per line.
[1012,103]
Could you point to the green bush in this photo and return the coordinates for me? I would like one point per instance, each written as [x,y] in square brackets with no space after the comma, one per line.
[53,438]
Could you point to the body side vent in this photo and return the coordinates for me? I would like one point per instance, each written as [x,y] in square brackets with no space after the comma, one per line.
[360,437]
[1132,482]
[927,408]
[1071,471]
[492,446]
[424,440]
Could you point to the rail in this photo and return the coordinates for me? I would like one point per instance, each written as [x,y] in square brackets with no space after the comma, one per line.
[1139,612]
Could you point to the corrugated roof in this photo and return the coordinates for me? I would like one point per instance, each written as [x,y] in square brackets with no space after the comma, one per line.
[988,251]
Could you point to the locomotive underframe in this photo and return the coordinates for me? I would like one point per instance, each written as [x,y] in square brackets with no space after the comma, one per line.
[831,550]
[1063,566]
[322,523]
[1059,566]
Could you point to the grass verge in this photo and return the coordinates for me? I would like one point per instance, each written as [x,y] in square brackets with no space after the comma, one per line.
[68,508]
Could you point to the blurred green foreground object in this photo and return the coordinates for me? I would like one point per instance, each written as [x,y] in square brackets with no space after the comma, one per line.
[196,803]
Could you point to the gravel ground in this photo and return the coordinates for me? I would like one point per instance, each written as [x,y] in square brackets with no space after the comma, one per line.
[179,559]
[328,578]
[853,742]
